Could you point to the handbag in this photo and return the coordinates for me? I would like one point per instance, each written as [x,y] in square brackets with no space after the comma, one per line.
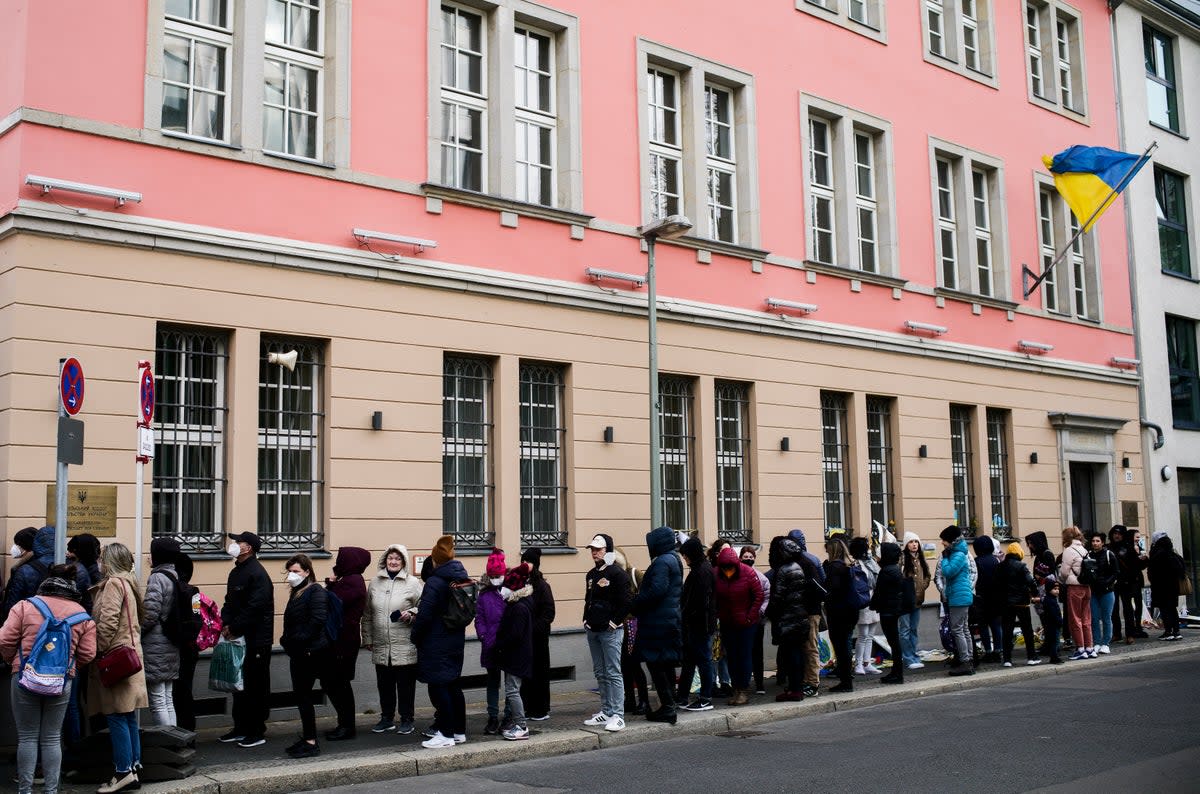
[1185,586]
[123,661]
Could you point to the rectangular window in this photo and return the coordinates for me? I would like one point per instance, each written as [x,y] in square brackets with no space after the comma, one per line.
[733,462]
[1160,78]
[947,224]
[536,122]
[835,463]
[864,17]
[970,34]
[1033,47]
[1054,56]
[666,148]
[969,218]
[197,42]
[959,37]
[1062,48]
[961,467]
[981,204]
[865,199]
[997,441]
[291,421]
[820,180]
[720,163]
[879,459]
[190,412]
[463,99]
[1173,245]
[292,75]
[467,479]
[543,464]
[677,431]
[1184,372]
[1079,279]
[1046,235]
[935,16]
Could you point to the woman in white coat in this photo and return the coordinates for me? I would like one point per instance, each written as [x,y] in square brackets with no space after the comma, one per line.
[392,598]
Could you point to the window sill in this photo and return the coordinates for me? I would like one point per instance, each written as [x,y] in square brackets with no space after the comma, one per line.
[718,246]
[181,136]
[961,69]
[1182,277]
[839,271]
[486,201]
[315,554]
[1185,426]
[1176,133]
[297,159]
[1080,116]
[970,297]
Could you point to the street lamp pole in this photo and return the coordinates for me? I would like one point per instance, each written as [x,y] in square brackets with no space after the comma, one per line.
[665,229]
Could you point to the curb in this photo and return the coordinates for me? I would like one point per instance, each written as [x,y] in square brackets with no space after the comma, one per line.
[373,767]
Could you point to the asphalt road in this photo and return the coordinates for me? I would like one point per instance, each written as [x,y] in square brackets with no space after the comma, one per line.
[1129,728]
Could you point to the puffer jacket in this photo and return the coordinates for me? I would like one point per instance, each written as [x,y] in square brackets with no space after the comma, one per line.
[955,570]
[24,579]
[786,609]
[989,596]
[489,609]
[739,597]
[390,640]
[439,648]
[162,656]
[1016,582]
[659,634]
[304,616]
[513,651]
[1072,562]
[797,536]
[894,592]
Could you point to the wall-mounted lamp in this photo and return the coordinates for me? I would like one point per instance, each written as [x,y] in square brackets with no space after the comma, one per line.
[47,184]
[1166,473]
[1029,346]
[785,444]
[1125,363]
[1033,458]
[780,303]
[365,236]
[928,328]
[1124,463]
[595,274]
[608,435]
[377,420]
[922,451]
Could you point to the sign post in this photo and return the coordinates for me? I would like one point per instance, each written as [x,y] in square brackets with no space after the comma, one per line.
[145,452]
[71,385]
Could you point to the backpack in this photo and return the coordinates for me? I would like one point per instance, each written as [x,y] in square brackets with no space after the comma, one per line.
[460,606]
[335,613]
[181,626]
[1089,570]
[860,589]
[50,657]
[210,621]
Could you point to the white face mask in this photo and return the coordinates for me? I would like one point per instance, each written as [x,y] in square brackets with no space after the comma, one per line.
[234,550]
[505,593]
[16,551]
[610,558]
[499,580]
[296,579]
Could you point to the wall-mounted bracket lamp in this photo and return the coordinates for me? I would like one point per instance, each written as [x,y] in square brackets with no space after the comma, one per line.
[365,236]
[785,444]
[1125,363]
[377,420]
[780,303]
[608,435]
[1033,457]
[922,451]
[595,274]
[47,184]
[929,328]
[1029,346]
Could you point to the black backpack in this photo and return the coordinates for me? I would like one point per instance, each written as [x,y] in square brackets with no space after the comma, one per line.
[181,625]
[460,606]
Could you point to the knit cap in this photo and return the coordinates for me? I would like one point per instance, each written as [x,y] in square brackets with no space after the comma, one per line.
[495,563]
[950,534]
[518,577]
[1015,548]
[443,550]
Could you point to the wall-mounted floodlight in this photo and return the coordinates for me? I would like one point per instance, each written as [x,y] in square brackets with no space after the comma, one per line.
[47,184]
[929,328]
[1029,346]
[595,274]
[366,235]
[1127,363]
[780,303]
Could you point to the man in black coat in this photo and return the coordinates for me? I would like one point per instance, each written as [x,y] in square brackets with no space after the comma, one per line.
[249,613]
[699,621]
[894,596]
[535,692]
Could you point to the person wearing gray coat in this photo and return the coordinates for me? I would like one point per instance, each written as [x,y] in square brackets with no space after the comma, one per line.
[392,598]
[161,657]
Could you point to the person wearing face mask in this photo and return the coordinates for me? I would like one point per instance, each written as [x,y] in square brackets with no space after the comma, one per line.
[392,599]
[306,643]
[489,608]
[249,613]
[739,604]
[33,553]
[535,691]
[659,638]
[749,555]
[606,602]
[513,652]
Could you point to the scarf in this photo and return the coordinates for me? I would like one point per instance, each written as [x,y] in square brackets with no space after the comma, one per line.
[58,588]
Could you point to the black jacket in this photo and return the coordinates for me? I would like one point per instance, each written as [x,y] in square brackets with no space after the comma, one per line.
[1016,581]
[514,640]
[698,605]
[249,609]
[606,598]
[838,584]
[541,605]
[1129,565]
[894,593]
[1165,569]
[789,588]
[1106,571]
[304,622]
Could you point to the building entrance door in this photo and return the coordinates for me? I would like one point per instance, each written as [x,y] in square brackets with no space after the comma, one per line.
[1083,496]
[1189,526]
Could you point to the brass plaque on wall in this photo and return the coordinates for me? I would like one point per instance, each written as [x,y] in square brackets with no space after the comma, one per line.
[90,508]
[1129,514]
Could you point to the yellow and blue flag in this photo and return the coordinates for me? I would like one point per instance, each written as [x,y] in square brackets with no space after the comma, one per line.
[1090,178]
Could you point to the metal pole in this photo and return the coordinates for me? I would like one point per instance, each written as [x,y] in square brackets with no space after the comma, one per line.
[137,521]
[655,436]
[60,486]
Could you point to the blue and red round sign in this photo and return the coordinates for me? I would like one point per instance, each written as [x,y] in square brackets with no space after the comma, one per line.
[71,385]
[146,396]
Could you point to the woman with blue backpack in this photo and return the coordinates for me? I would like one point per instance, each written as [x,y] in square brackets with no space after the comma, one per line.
[45,638]
[306,641]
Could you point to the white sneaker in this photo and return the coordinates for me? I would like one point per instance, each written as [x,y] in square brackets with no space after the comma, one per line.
[1033,662]
[1104,649]
[916,666]
[597,719]
[858,670]
[460,738]
[438,742]
[615,723]
[872,669]
[1007,664]
[1094,652]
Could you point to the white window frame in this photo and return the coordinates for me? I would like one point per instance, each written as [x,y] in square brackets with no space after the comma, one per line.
[981,231]
[1055,62]
[532,120]
[663,87]
[719,164]
[1047,236]
[821,194]
[835,461]
[1075,283]
[295,57]
[734,449]
[866,201]
[457,99]
[864,17]
[961,230]
[947,32]
[196,32]
[543,386]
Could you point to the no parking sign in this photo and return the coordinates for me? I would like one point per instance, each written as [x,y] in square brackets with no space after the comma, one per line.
[71,385]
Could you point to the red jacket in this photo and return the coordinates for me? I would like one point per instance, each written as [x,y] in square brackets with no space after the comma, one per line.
[739,597]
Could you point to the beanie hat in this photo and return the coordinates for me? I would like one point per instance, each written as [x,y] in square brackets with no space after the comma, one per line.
[495,563]
[859,548]
[163,551]
[85,546]
[443,551]
[909,537]
[692,550]
[24,538]
[950,534]
[983,545]
[1015,548]
[533,556]
[517,577]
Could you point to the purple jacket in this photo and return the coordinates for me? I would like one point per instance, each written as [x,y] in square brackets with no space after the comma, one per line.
[348,585]
[489,608]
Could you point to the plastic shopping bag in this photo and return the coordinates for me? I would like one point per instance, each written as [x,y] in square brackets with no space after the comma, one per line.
[225,669]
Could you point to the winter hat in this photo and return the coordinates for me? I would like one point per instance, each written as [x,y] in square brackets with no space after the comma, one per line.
[1015,549]
[889,553]
[909,537]
[798,536]
[163,551]
[950,534]
[86,548]
[24,538]
[1157,536]
[983,545]
[443,551]
[533,556]
[692,550]
[517,577]
[859,548]
[495,563]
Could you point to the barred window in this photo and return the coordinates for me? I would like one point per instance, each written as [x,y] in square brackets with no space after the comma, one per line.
[189,437]
[543,467]
[733,461]
[676,420]
[997,433]
[879,458]
[290,456]
[835,460]
[961,466]
[467,484]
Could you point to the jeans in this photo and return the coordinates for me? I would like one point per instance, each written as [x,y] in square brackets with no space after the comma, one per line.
[791,659]
[126,741]
[535,691]
[908,625]
[990,631]
[162,701]
[605,647]
[397,690]
[737,641]
[251,706]
[39,720]
[960,630]
[1102,610]
[72,728]
[697,655]
[451,708]
[1012,617]
[304,671]
[493,692]
[513,705]
[1079,598]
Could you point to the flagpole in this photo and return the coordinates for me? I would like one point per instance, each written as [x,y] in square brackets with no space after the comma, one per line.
[1028,287]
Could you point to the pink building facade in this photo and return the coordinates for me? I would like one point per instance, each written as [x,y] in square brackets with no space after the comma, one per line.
[412,194]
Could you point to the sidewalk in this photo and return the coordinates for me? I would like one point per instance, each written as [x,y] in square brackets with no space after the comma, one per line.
[228,769]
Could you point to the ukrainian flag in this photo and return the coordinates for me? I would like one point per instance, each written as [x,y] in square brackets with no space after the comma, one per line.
[1090,178]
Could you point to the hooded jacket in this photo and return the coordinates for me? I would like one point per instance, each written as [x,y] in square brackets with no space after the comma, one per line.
[439,648]
[1017,585]
[698,605]
[24,579]
[489,611]
[921,576]
[349,586]
[797,536]
[1165,569]
[513,651]
[1130,564]
[162,656]
[390,640]
[786,609]
[1107,570]
[740,596]
[542,603]
[25,621]
[956,573]
[988,596]
[1043,558]
[659,637]
[893,594]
